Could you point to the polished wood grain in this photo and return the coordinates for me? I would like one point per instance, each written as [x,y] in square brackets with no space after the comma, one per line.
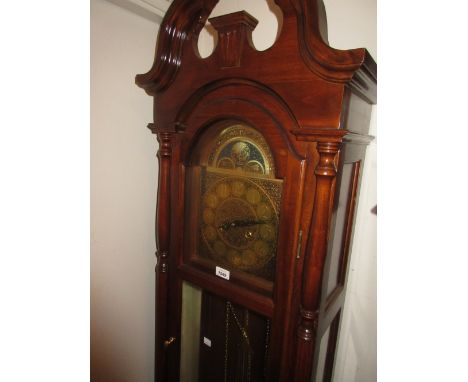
[315,259]
[162,241]
[312,105]
[234,30]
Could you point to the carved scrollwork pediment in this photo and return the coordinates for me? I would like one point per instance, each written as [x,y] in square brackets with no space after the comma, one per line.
[183,20]
[304,27]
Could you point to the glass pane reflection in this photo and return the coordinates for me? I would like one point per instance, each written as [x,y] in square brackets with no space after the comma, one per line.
[190,332]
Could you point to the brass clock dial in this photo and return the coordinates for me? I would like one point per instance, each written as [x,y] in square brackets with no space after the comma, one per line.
[239,205]
[239,223]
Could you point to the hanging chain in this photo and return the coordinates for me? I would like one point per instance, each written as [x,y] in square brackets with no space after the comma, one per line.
[267,342]
[249,354]
[242,330]
[226,342]
[230,310]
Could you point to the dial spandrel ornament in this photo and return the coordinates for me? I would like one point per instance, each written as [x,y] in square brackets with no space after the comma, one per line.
[240,203]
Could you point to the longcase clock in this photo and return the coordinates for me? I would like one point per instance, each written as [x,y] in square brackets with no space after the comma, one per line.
[260,155]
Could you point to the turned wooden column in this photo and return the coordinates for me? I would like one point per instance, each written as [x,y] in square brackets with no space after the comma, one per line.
[314,261]
[162,246]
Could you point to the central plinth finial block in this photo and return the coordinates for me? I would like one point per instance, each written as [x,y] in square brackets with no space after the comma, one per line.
[233,30]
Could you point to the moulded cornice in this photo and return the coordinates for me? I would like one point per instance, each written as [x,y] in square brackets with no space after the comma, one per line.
[353,66]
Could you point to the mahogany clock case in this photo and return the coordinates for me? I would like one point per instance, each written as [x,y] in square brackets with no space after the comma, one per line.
[260,157]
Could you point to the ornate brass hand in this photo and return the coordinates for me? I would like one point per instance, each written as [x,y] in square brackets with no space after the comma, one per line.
[239,223]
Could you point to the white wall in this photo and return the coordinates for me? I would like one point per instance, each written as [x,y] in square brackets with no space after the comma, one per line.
[123,195]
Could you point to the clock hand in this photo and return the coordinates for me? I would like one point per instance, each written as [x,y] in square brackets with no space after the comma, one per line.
[239,223]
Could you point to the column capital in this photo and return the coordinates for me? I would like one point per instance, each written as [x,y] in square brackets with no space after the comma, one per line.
[327,152]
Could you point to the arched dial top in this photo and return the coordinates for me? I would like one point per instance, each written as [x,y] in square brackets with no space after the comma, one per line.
[239,202]
[243,149]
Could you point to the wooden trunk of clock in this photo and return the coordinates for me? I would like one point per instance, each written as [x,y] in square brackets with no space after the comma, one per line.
[260,157]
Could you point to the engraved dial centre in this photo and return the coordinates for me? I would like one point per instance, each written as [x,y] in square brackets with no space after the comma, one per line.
[235,220]
[239,223]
